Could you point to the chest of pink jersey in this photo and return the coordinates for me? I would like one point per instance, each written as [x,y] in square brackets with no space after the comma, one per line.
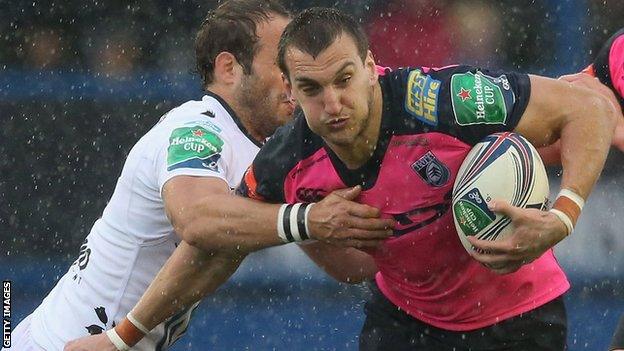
[414,183]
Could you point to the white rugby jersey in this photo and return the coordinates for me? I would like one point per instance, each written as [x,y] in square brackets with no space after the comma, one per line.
[132,240]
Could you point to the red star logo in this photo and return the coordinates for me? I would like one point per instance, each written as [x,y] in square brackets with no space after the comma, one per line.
[464,94]
[198,133]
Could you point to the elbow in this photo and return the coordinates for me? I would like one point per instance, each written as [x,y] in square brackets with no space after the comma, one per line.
[212,239]
[196,233]
[608,111]
[188,233]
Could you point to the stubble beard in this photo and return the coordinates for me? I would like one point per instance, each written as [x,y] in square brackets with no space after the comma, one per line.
[258,108]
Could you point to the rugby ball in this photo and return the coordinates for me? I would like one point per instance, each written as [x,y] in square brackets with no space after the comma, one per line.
[502,166]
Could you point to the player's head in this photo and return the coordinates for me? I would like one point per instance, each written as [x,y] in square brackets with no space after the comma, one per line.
[330,72]
[235,49]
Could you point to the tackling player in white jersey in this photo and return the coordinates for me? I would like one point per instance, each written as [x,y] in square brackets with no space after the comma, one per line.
[188,161]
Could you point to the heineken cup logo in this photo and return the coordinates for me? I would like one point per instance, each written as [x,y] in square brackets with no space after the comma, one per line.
[196,142]
[472,212]
[194,147]
[479,99]
[484,94]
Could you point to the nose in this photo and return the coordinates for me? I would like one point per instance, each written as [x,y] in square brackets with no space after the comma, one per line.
[331,99]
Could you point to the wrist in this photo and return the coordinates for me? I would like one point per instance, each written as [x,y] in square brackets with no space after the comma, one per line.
[127,333]
[116,340]
[560,229]
[567,208]
[292,222]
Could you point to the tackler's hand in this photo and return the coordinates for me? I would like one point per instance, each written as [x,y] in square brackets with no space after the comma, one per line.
[339,220]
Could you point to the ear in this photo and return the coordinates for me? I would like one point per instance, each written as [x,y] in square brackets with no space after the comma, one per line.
[369,63]
[227,69]
[287,86]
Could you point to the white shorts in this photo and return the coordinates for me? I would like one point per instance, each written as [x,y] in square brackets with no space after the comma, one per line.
[21,339]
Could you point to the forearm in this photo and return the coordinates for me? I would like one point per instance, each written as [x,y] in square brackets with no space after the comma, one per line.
[227,223]
[346,265]
[581,117]
[585,142]
[186,278]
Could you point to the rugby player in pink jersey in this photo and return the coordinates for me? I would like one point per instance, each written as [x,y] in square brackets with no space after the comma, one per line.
[400,138]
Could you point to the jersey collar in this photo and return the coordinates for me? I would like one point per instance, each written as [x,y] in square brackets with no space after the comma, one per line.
[234,117]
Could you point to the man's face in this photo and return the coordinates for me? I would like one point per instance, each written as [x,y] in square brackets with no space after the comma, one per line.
[263,91]
[334,90]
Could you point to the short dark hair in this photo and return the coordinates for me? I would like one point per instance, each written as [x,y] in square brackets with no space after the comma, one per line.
[315,29]
[232,27]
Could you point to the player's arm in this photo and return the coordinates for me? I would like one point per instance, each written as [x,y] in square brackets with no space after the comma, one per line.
[584,121]
[206,215]
[218,230]
[345,264]
[187,276]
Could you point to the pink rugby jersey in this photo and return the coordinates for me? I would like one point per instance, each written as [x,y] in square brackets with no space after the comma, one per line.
[431,119]
[609,65]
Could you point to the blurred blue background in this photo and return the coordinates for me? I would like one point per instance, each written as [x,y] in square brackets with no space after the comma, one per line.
[81,81]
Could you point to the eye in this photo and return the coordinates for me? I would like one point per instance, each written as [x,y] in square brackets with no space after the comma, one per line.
[310,89]
[344,80]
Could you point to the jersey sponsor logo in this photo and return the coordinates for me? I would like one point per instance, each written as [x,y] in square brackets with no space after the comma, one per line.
[472,212]
[432,170]
[193,147]
[421,100]
[480,99]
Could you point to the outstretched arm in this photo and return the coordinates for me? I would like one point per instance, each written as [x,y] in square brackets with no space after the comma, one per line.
[218,230]
[188,276]
[206,215]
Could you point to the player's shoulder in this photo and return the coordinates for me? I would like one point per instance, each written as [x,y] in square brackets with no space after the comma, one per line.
[460,100]
[208,113]
[419,95]
[205,119]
